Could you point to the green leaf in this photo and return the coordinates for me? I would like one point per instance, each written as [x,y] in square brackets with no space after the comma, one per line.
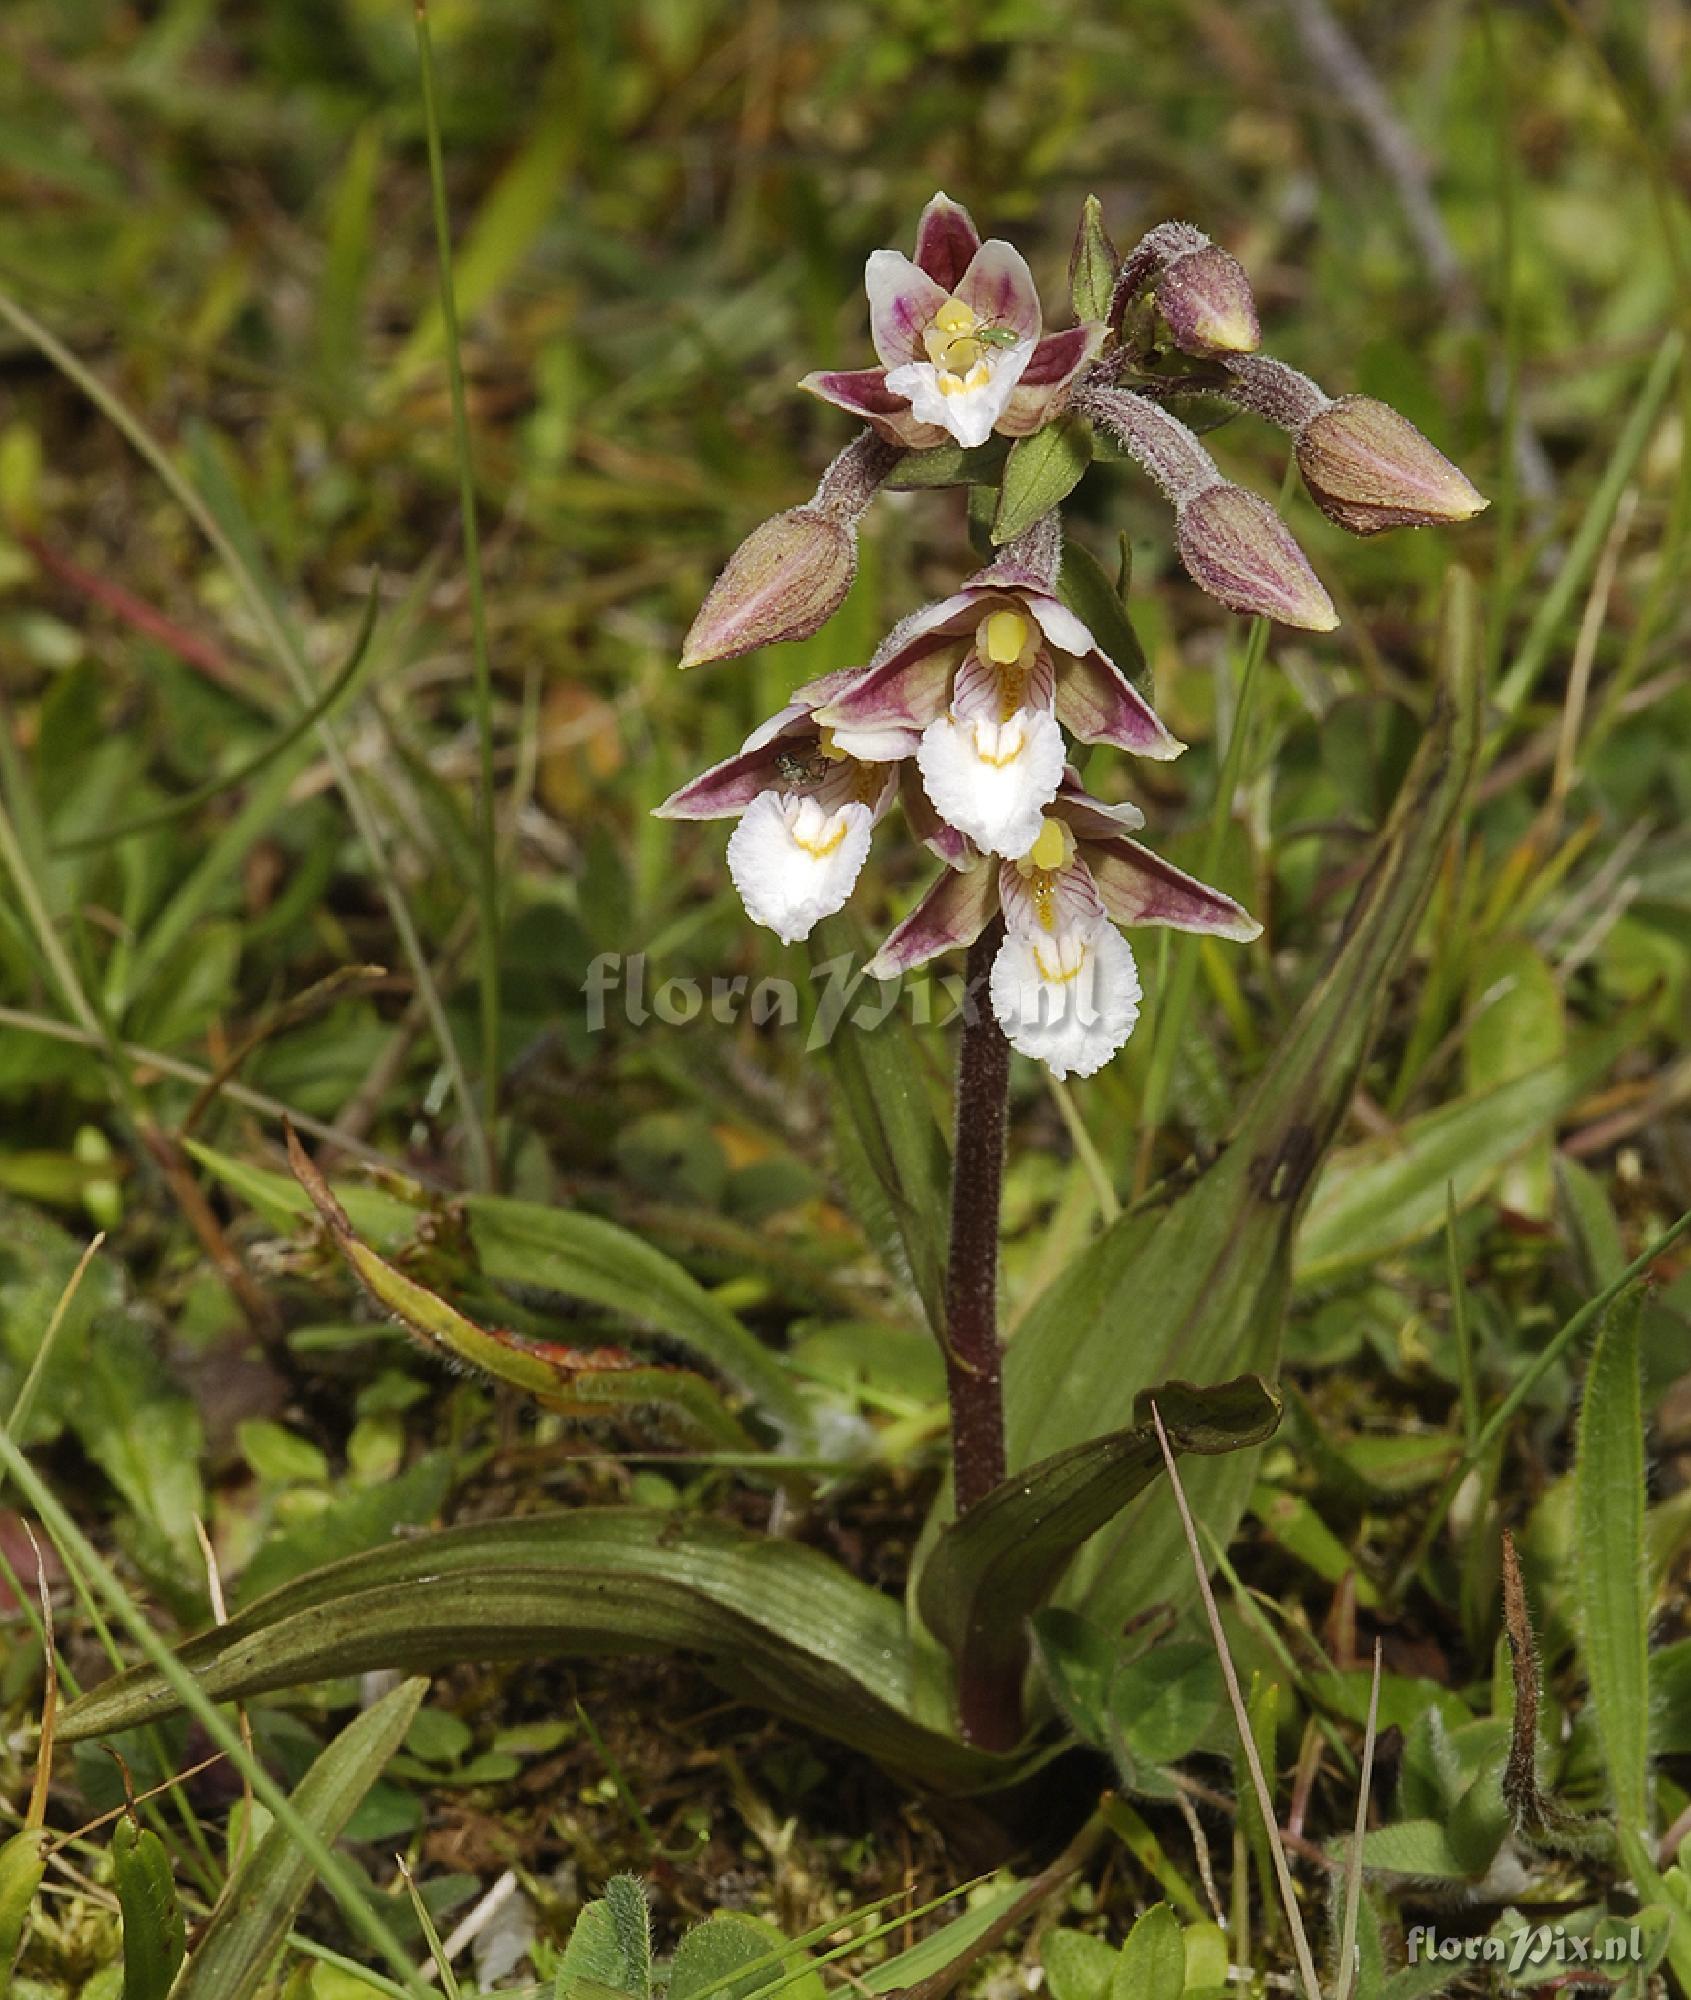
[145,1435]
[578,1381]
[557,1250]
[1412,1847]
[1384,1193]
[235,1952]
[1099,605]
[610,1946]
[1164,1701]
[154,1933]
[356,1520]
[987,1573]
[1041,472]
[777,1622]
[1153,1960]
[731,1943]
[884,1119]
[22,1865]
[1077,1965]
[1093,264]
[1613,1602]
[948,465]
[1195,1278]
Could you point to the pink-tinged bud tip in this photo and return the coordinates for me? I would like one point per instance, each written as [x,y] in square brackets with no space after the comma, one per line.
[1236,547]
[784,581]
[1369,469]
[1206,299]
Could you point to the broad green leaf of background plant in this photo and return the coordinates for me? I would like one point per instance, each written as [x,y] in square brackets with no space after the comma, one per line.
[235,1952]
[610,1946]
[22,1865]
[986,1574]
[778,1623]
[728,1956]
[1152,1965]
[1387,1192]
[1196,1278]
[154,1934]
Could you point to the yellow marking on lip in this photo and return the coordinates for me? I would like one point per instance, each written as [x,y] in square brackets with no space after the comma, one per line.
[1059,977]
[819,850]
[998,762]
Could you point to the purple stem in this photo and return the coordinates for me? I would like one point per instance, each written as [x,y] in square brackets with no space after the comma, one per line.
[989,1704]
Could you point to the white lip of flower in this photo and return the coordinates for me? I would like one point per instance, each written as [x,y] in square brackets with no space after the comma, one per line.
[795,860]
[1064,984]
[994,761]
[969,376]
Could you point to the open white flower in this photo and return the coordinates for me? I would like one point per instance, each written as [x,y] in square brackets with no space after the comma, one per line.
[961,342]
[991,678]
[807,808]
[1064,986]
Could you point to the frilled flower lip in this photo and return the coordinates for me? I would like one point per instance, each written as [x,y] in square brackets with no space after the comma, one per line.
[993,280]
[908,686]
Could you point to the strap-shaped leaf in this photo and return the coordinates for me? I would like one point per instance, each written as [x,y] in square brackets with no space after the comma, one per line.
[253,1918]
[780,1623]
[1196,1279]
[887,1132]
[992,1569]
[1614,1598]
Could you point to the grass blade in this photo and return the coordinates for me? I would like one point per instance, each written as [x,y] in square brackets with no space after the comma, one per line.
[1614,1608]
[487,843]
[264,1896]
[331,1870]
[286,649]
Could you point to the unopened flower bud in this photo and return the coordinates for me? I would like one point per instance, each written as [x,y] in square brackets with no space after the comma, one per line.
[1368,469]
[1206,299]
[1236,547]
[784,581]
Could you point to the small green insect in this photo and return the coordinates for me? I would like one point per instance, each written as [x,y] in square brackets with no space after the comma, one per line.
[797,770]
[997,336]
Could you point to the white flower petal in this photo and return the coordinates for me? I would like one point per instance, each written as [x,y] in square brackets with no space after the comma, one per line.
[967,412]
[794,862]
[1070,1002]
[993,780]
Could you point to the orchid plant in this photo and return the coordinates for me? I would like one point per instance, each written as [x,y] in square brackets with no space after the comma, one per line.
[964,718]
[966,712]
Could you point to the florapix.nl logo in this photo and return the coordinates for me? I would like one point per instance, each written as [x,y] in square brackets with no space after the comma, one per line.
[1594,1960]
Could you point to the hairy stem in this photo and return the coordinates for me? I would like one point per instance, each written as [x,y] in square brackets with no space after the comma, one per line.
[988,1703]
[973,1360]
